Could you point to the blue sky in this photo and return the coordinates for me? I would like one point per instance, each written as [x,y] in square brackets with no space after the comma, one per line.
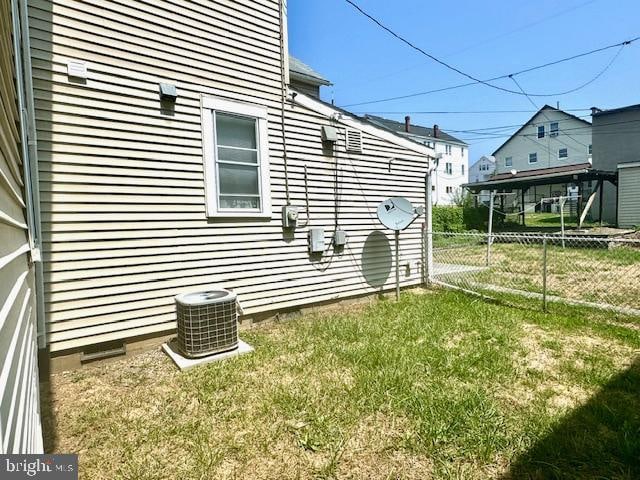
[484,38]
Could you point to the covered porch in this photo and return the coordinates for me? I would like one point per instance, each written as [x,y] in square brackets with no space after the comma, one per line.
[588,193]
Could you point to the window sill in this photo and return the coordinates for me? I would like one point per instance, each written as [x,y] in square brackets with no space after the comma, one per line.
[240,215]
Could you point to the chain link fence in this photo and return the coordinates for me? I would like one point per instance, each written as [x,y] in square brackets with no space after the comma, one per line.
[589,271]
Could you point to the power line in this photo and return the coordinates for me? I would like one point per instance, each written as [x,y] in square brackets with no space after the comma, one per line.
[476,80]
[444,112]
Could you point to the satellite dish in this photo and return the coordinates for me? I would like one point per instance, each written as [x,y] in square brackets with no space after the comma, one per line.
[396,213]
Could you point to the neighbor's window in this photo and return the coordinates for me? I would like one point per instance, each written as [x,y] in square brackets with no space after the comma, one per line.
[449,189]
[589,149]
[563,153]
[553,129]
[462,168]
[508,161]
[533,158]
[236,159]
[540,131]
[447,149]
[462,151]
[448,168]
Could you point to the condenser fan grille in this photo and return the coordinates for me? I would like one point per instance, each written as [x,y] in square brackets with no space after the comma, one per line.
[207,323]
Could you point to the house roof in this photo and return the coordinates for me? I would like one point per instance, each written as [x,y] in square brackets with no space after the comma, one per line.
[416,130]
[544,107]
[617,110]
[542,176]
[302,72]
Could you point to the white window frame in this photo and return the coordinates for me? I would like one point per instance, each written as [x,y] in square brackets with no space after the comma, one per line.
[552,132]
[259,113]
[508,161]
[530,162]
[543,131]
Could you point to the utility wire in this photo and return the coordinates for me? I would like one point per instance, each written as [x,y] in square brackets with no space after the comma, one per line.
[444,112]
[476,80]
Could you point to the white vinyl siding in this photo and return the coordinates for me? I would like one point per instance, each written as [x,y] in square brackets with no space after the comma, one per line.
[124,200]
[629,196]
[20,428]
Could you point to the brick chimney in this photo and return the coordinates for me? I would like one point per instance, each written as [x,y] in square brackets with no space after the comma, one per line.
[436,131]
[595,110]
[407,124]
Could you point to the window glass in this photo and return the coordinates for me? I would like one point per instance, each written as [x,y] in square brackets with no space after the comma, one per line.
[235,131]
[563,153]
[508,161]
[540,131]
[553,127]
[533,158]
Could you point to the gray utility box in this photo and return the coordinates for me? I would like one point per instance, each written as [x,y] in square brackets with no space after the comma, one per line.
[339,238]
[316,240]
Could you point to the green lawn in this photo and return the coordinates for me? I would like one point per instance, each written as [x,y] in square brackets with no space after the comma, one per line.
[439,385]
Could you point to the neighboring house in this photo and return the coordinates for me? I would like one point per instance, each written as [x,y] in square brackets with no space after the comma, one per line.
[481,171]
[550,139]
[452,170]
[616,148]
[20,426]
[305,79]
[168,143]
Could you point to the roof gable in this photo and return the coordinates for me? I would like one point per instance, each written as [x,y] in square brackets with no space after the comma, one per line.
[303,73]
[530,121]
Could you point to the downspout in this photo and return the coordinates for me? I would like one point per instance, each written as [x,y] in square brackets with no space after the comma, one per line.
[284,81]
[28,115]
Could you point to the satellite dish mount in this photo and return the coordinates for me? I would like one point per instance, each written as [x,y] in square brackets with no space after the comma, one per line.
[397,214]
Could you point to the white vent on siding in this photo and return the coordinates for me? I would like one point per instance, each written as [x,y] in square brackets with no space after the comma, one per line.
[354,141]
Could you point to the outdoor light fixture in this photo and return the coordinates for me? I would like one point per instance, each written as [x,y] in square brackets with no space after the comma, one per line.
[168,92]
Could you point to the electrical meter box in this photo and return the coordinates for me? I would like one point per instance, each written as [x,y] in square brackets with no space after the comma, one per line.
[339,238]
[316,240]
[290,216]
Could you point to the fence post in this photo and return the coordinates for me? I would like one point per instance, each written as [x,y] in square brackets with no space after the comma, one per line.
[428,229]
[544,273]
[490,227]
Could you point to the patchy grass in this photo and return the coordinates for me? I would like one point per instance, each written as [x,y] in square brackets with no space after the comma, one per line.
[598,275]
[439,385]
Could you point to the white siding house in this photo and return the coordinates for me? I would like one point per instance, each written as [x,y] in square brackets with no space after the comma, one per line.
[20,426]
[452,170]
[552,138]
[481,171]
[143,198]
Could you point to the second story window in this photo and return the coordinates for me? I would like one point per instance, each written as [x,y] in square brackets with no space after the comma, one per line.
[448,168]
[563,153]
[589,149]
[553,129]
[540,131]
[462,151]
[449,189]
[462,168]
[533,158]
[508,162]
[447,149]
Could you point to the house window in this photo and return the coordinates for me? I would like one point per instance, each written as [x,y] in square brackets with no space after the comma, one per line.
[236,159]
[540,131]
[433,188]
[553,129]
[563,153]
[589,149]
[449,189]
[508,161]
[447,149]
[462,168]
[448,168]
[533,158]
[462,151]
